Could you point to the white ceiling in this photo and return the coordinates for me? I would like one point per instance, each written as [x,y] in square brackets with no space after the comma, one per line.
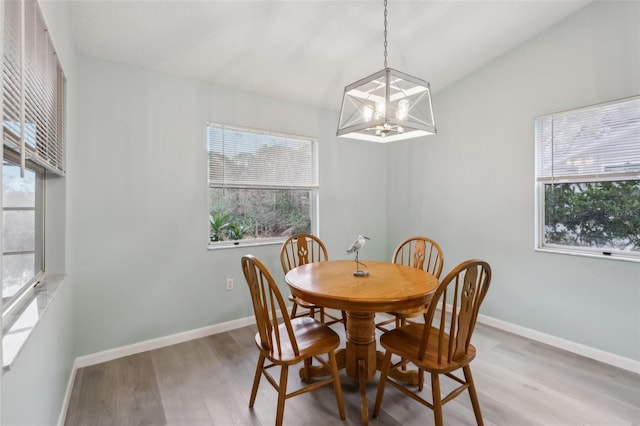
[308,50]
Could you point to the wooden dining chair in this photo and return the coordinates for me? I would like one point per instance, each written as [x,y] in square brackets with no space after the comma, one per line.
[442,344]
[418,252]
[300,249]
[288,342]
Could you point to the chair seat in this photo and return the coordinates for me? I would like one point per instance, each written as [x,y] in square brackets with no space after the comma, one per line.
[400,318]
[405,342]
[302,303]
[408,313]
[313,338]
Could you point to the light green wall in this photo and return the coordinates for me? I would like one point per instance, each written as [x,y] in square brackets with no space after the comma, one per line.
[138,217]
[471,187]
[33,389]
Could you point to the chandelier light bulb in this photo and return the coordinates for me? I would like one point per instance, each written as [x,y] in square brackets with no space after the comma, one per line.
[403,109]
[367,112]
[380,108]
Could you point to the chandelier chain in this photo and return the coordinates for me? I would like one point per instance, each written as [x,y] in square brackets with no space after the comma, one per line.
[385,33]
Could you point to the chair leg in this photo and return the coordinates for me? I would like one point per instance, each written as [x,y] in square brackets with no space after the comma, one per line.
[437,398]
[307,369]
[336,383]
[256,380]
[420,379]
[322,315]
[381,384]
[401,322]
[282,393]
[473,394]
[294,309]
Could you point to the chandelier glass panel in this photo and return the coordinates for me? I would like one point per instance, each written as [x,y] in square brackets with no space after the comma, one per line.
[386,106]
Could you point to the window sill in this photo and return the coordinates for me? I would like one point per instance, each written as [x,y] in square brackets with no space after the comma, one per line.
[595,255]
[18,325]
[245,243]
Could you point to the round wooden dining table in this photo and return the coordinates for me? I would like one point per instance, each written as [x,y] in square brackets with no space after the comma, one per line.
[387,287]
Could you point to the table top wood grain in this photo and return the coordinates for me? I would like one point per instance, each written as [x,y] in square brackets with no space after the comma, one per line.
[388,286]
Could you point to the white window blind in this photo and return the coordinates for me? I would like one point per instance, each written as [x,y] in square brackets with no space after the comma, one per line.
[600,142]
[34,88]
[243,158]
[11,72]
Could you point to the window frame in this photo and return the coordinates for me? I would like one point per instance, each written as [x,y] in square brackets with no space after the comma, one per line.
[542,179]
[34,121]
[27,290]
[313,187]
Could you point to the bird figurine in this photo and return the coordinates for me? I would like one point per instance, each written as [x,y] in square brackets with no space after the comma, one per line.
[355,248]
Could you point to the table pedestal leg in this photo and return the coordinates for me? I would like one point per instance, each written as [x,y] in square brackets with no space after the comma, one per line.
[313,371]
[362,382]
[360,358]
[361,353]
[361,344]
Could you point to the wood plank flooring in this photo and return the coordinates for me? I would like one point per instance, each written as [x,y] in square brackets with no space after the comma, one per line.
[208,382]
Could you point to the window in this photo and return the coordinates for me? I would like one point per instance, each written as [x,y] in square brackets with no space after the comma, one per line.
[262,186]
[22,214]
[588,180]
[33,134]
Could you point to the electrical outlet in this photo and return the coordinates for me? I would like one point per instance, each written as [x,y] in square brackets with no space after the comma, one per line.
[229,283]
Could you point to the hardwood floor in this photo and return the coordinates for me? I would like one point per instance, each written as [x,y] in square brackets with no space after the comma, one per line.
[208,382]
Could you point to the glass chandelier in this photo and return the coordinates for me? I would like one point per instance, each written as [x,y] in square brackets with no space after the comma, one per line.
[386,106]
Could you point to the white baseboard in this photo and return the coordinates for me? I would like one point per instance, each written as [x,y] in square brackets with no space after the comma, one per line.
[567,345]
[161,342]
[67,395]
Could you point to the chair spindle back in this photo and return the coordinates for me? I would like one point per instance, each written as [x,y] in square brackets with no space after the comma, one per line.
[267,301]
[464,288]
[420,252]
[300,249]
